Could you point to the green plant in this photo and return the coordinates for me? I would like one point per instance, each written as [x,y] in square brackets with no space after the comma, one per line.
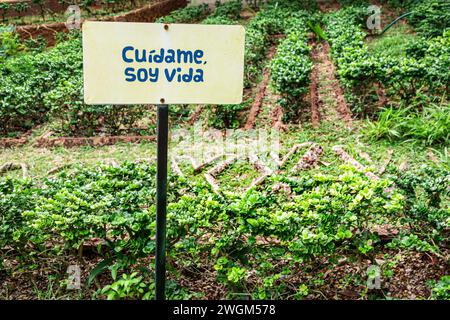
[302,292]
[395,43]
[290,71]
[107,203]
[400,74]
[15,198]
[226,116]
[441,289]
[221,20]
[21,7]
[36,45]
[186,15]
[27,78]
[318,31]
[129,287]
[426,207]
[74,117]
[228,9]
[5,7]
[431,18]
[10,45]
[430,126]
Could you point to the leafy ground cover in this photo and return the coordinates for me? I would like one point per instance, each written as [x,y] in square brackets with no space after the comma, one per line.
[297,236]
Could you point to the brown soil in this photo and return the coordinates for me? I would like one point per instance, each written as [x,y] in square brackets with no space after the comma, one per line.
[313,90]
[202,281]
[381,93]
[328,5]
[12,142]
[46,31]
[324,83]
[256,106]
[150,12]
[18,141]
[413,272]
[329,87]
[409,281]
[277,118]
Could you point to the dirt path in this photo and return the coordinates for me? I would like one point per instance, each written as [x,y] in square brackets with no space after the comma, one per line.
[328,5]
[314,88]
[327,96]
[261,91]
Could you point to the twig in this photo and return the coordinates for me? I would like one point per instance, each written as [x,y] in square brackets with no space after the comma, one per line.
[350,160]
[388,160]
[175,167]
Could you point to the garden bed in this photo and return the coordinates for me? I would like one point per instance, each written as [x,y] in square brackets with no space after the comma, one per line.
[148,13]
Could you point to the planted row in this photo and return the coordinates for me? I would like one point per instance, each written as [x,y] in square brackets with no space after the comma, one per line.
[276,18]
[430,18]
[425,66]
[291,67]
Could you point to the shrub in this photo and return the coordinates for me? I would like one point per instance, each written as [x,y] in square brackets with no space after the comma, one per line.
[107,203]
[186,15]
[229,9]
[327,209]
[27,78]
[15,198]
[427,193]
[221,20]
[363,72]
[9,45]
[226,116]
[441,289]
[290,70]
[66,105]
[431,18]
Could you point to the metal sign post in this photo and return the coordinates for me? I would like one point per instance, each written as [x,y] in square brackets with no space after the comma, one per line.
[161,201]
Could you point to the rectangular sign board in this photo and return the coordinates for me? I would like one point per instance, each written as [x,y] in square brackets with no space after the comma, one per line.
[153,63]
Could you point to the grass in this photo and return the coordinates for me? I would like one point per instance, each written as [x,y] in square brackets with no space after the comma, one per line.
[238,176]
[41,160]
[431,126]
[394,42]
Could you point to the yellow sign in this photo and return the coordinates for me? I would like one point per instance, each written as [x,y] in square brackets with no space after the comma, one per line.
[152,63]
